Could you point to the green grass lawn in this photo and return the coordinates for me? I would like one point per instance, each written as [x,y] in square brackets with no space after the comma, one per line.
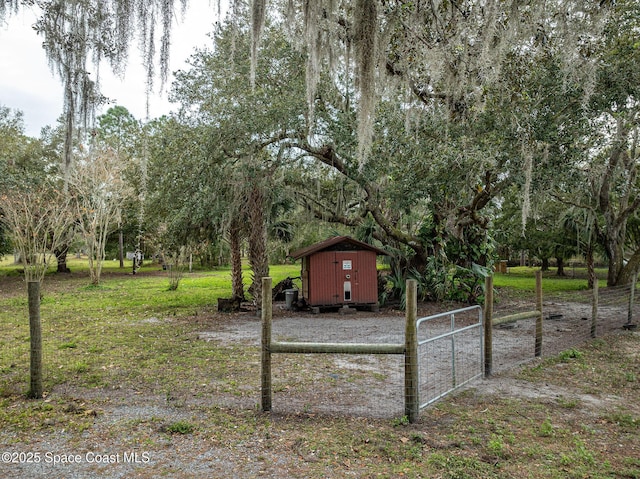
[520,282]
[122,293]
[127,328]
[523,278]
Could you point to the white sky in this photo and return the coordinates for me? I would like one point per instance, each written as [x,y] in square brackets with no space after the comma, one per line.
[27,84]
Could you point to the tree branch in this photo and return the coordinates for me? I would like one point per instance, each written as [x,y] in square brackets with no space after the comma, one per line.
[327,155]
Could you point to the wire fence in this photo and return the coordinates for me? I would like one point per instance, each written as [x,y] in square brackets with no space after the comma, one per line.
[568,322]
[372,384]
[364,385]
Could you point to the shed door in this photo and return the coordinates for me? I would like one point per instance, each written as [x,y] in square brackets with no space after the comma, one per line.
[356,278]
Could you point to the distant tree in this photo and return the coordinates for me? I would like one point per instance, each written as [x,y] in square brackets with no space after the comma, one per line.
[78,35]
[547,234]
[99,191]
[186,198]
[24,161]
[615,167]
[37,219]
[605,180]
[119,130]
[580,226]
[175,260]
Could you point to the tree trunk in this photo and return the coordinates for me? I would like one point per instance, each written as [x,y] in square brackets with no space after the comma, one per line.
[545,264]
[93,274]
[630,269]
[258,256]
[61,256]
[560,265]
[237,287]
[121,248]
[615,255]
[591,270]
[35,332]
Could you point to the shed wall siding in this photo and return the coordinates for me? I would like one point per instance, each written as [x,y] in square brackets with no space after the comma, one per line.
[322,278]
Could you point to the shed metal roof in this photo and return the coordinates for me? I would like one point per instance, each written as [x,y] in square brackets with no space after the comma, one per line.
[336,240]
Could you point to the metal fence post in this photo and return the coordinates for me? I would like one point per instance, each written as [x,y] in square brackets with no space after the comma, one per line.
[266,343]
[411,384]
[488,325]
[538,346]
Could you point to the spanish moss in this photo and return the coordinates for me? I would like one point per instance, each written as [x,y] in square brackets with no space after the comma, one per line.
[527,154]
[258,11]
[314,50]
[366,29]
[79,35]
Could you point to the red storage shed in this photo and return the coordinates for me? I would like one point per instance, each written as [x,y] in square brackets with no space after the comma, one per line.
[340,271]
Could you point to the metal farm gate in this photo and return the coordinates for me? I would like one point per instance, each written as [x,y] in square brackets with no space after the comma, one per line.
[450,352]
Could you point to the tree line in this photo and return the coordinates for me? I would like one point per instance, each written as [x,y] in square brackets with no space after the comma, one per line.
[452,133]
